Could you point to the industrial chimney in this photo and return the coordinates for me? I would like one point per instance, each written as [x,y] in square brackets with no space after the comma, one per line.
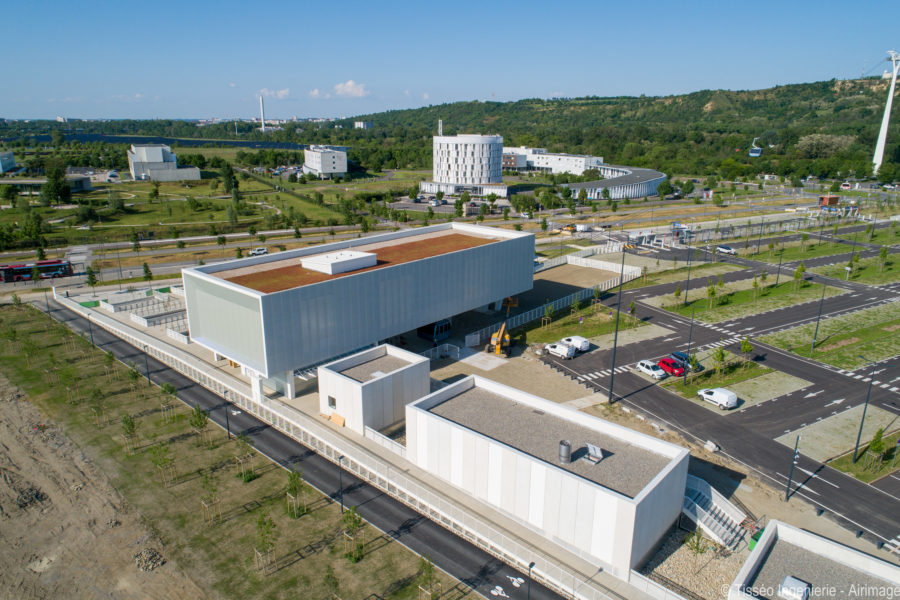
[440,127]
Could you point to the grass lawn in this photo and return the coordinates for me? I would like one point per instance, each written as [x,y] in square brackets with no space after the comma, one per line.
[877,469]
[741,303]
[797,251]
[737,370]
[220,556]
[872,332]
[555,251]
[868,270]
[680,274]
[886,236]
[596,322]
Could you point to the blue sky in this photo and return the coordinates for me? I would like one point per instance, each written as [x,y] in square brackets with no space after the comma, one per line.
[212,59]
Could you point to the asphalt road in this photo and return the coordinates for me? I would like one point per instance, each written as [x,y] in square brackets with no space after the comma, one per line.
[473,567]
[746,435]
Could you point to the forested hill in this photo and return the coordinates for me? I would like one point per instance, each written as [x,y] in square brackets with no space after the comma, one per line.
[826,129]
[701,132]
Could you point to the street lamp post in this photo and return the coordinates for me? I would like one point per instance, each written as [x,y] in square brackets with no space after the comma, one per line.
[227,423]
[612,368]
[90,329]
[146,364]
[687,286]
[690,339]
[780,257]
[818,319]
[865,408]
[530,567]
[341,480]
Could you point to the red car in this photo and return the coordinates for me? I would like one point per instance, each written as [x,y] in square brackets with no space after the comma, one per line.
[671,367]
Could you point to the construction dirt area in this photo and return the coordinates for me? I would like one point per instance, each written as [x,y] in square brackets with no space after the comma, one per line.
[66,531]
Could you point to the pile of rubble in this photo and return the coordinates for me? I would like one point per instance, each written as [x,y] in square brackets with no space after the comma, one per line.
[148,559]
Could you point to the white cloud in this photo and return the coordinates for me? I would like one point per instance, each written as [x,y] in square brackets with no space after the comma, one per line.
[406,92]
[425,96]
[279,94]
[127,97]
[315,93]
[352,89]
[232,84]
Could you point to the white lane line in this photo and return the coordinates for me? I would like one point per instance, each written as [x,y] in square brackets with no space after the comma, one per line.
[812,474]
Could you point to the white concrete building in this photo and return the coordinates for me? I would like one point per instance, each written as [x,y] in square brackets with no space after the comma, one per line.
[467,162]
[277,318]
[363,125]
[372,388]
[538,159]
[829,569]
[325,162]
[609,496]
[7,162]
[157,162]
[621,182]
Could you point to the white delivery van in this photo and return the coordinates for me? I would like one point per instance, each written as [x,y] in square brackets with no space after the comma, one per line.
[576,341]
[560,350]
[720,397]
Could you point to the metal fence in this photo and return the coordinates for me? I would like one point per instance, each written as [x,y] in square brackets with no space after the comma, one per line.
[384,441]
[442,351]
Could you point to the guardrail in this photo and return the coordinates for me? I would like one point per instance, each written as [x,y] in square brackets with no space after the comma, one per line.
[442,351]
[370,468]
[652,588]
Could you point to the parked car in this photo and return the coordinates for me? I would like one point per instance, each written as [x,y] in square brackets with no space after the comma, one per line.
[726,250]
[671,367]
[720,397]
[650,368]
[560,350]
[258,251]
[684,360]
[576,341]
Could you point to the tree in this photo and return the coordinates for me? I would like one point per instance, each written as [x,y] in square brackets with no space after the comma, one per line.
[720,358]
[221,240]
[544,224]
[439,196]
[663,189]
[148,274]
[677,294]
[882,258]
[755,288]
[582,196]
[154,191]
[238,253]
[803,239]
[296,489]
[746,349]
[798,276]
[458,205]
[56,190]
[90,277]
[9,193]
[710,296]
[876,446]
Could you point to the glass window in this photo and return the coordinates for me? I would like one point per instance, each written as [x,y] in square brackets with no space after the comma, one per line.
[332,403]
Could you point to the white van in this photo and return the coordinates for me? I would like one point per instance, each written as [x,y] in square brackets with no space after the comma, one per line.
[576,341]
[720,397]
[258,251]
[560,350]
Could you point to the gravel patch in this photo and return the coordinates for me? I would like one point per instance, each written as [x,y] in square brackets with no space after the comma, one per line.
[706,575]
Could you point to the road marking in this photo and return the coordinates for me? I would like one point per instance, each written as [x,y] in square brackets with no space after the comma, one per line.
[857,377]
[800,486]
[884,386]
[879,371]
[838,401]
[812,474]
[893,389]
[748,328]
[814,394]
[671,338]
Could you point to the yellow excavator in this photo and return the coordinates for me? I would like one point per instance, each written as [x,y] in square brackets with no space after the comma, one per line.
[499,342]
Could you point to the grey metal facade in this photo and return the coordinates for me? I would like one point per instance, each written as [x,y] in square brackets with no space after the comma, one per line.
[303,326]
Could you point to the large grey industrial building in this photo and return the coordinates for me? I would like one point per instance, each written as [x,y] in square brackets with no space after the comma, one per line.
[280,314]
[157,162]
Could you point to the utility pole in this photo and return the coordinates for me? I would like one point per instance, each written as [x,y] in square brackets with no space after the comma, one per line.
[612,368]
[780,257]
[687,286]
[787,490]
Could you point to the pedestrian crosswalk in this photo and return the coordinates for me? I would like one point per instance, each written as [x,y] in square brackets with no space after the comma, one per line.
[601,374]
[728,342]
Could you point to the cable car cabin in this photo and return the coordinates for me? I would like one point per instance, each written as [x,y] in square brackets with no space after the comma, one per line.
[435,332]
[47,269]
[755,152]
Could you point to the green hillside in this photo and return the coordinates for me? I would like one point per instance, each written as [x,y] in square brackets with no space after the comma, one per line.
[826,129]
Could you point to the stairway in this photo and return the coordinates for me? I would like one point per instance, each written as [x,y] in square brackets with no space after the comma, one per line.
[713,513]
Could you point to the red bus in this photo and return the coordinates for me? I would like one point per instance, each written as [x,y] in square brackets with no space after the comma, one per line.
[48,269]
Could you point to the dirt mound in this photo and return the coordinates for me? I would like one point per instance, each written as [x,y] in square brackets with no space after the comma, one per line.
[837,345]
[67,533]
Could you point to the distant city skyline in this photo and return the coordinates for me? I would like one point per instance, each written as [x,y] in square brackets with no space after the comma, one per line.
[207,60]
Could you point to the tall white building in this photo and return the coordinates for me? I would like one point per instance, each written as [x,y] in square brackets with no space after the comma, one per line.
[325,162]
[538,159]
[467,162]
[157,162]
[363,124]
[7,162]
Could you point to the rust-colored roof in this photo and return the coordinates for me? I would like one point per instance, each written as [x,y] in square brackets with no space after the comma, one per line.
[294,275]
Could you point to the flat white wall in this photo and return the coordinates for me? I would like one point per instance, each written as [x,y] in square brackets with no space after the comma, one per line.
[376,403]
[591,520]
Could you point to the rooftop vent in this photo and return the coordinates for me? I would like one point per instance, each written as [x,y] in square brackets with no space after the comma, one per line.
[565,452]
[340,262]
